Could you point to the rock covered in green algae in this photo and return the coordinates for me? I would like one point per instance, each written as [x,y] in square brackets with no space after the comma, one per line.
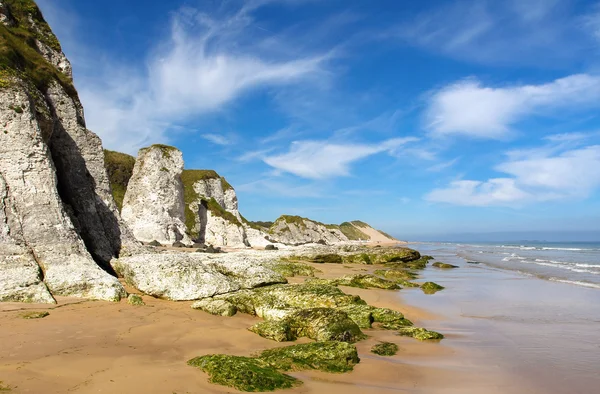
[395,274]
[291,269]
[323,356]
[366,256]
[135,300]
[243,373]
[443,265]
[215,307]
[35,315]
[363,281]
[320,324]
[279,301]
[419,333]
[431,287]
[263,372]
[385,349]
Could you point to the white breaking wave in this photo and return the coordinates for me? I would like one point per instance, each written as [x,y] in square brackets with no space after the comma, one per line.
[576,282]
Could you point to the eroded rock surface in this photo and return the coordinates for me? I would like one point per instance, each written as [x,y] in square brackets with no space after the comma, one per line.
[297,230]
[153,206]
[192,276]
[58,223]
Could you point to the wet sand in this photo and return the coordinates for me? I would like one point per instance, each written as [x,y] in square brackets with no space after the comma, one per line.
[101,347]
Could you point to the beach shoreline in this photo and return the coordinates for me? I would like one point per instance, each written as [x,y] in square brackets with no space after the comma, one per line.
[97,346]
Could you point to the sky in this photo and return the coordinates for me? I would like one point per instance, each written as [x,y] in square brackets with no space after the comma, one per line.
[425,119]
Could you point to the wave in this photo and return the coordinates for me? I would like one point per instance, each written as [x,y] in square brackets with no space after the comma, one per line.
[525,247]
[574,267]
[576,282]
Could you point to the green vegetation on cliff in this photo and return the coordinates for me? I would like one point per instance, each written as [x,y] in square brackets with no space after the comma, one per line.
[119,167]
[18,53]
[189,178]
[353,233]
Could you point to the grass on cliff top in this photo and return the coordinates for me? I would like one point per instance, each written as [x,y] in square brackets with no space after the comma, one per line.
[18,55]
[166,150]
[353,233]
[359,223]
[188,178]
[119,167]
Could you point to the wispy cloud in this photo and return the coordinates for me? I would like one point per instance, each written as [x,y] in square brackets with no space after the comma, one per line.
[217,139]
[323,159]
[207,62]
[496,32]
[469,108]
[568,174]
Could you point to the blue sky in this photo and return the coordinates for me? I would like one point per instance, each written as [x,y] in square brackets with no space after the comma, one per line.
[421,118]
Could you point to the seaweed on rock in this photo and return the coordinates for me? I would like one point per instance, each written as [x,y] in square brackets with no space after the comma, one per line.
[385,349]
[264,371]
[320,324]
[362,281]
[335,357]
[419,333]
[431,287]
[243,373]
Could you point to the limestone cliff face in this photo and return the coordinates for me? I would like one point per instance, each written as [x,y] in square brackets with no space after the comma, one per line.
[59,223]
[212,210]
[153,206]
[298,230]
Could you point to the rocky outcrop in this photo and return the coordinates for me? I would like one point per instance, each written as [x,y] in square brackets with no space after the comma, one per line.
[192,276]
[59,222]
[212,214]
[153,206]
[298,230]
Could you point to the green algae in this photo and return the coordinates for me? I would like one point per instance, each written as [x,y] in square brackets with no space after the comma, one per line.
[264,371]
[4,388]
[135,300]
[431,287]
[352,232]
[119,167]
[362,281]
[35,315]
[290,269]
[190,196]
[215,307]
[385,349]
[333,357]
[443,265]
[395,274]
[419,333]
[243,373]
[320,324]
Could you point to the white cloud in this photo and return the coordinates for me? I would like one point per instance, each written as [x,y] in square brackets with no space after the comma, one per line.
[592,22]
[207,63]
[217,139]
[498,191]
[570,174]
[468,108]
[499,32]
[322,159]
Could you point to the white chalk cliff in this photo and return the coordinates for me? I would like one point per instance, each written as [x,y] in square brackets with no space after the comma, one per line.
[58,222]
[153,206]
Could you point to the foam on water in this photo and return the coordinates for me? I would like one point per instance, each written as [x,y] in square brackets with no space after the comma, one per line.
[577,264]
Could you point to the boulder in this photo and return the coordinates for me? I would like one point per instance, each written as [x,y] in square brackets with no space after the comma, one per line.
[192,276]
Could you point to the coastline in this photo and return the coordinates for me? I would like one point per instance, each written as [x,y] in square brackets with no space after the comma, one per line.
[96,346]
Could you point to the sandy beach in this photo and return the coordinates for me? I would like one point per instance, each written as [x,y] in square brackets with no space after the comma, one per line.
[103,347]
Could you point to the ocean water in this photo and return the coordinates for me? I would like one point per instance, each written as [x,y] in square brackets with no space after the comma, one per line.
[574,263]
[524,325]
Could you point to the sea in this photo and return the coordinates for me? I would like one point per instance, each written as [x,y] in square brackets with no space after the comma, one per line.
[576,263]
